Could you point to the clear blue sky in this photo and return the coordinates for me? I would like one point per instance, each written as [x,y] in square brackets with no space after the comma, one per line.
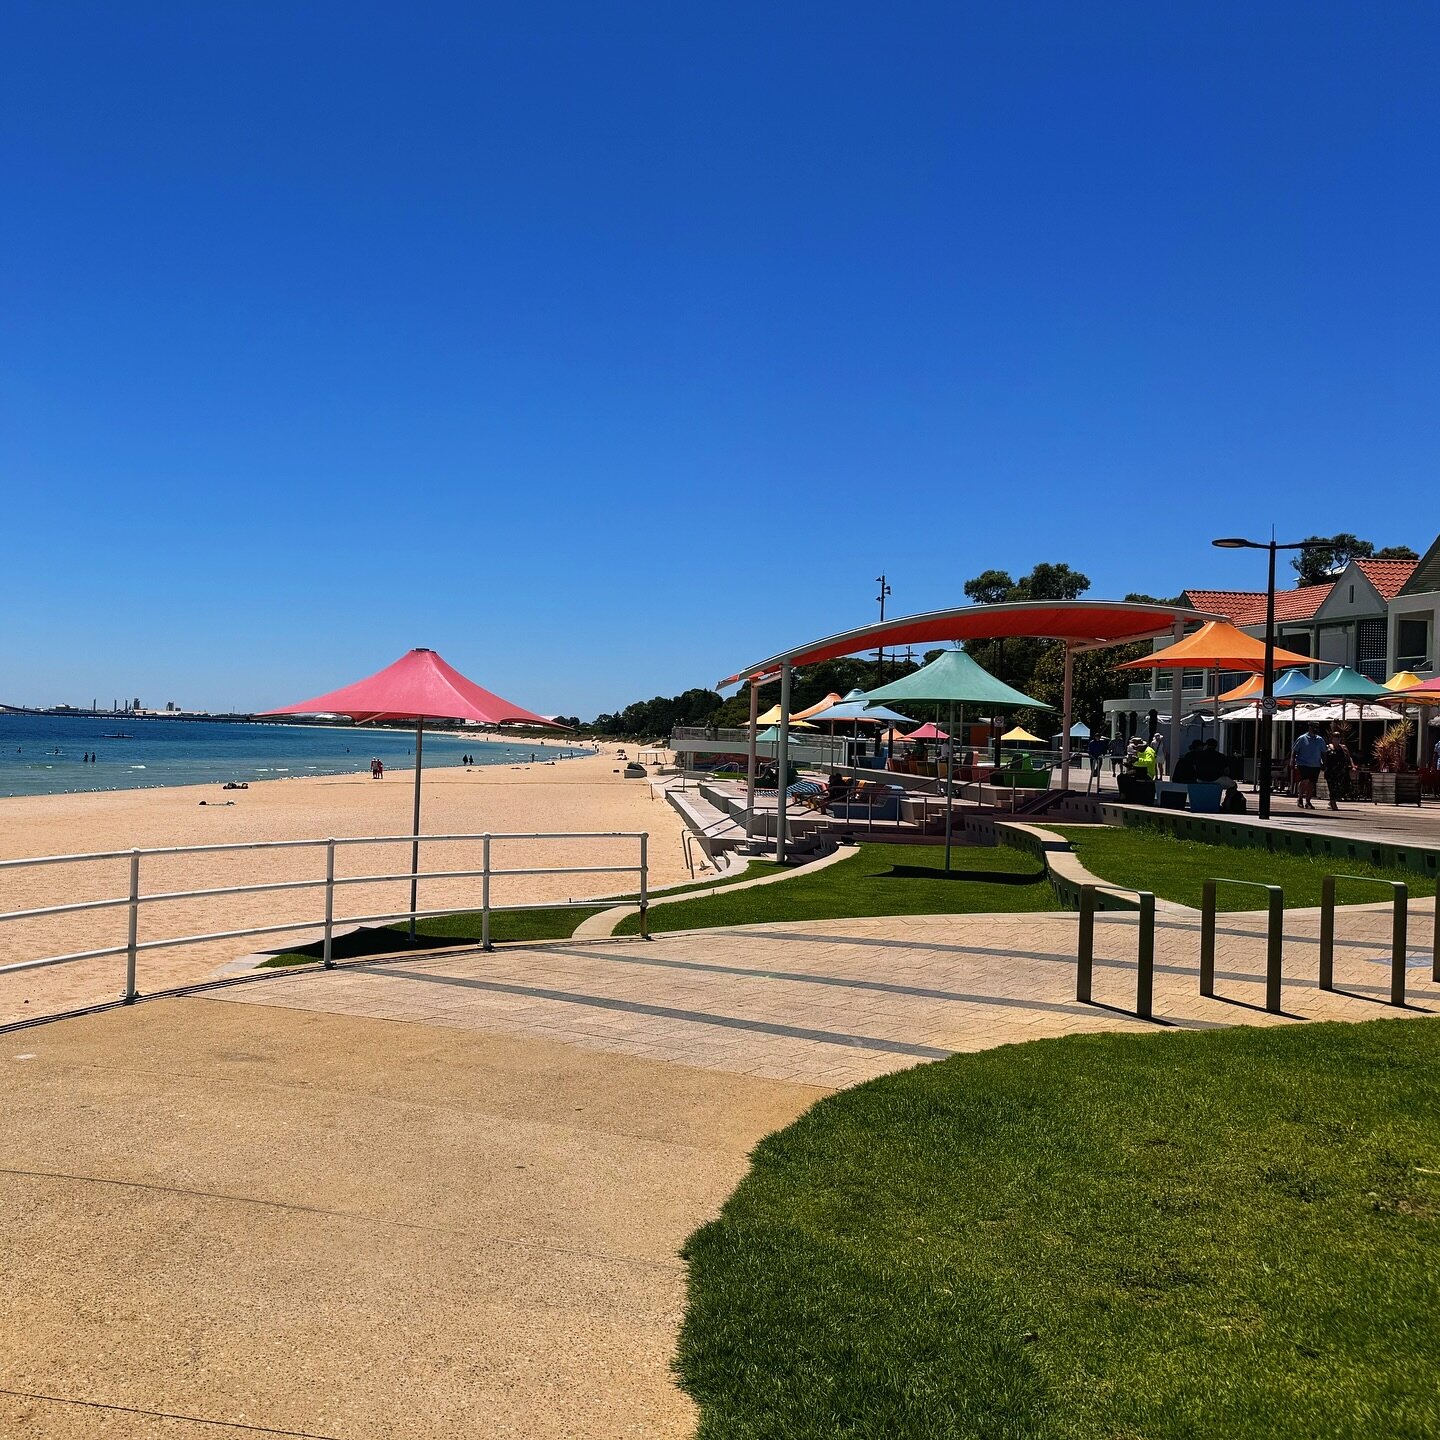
[604,347]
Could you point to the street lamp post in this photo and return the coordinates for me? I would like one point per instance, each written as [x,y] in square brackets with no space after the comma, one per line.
[1267,699]
[880,651]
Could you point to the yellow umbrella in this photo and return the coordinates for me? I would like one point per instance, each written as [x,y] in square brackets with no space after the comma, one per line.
[1020,733]
[772,717]
[1403,680]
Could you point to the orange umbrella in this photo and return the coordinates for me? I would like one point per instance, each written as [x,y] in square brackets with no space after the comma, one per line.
[1218,645]
[1248,689]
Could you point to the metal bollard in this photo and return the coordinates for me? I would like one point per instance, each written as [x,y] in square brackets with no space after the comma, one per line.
[1145,958]
[1435,940]
[1327,932]
[1207,939]
[485,898]
[1274,937]
[1274,947]
[644,887]
[1399,925]
[329,904]
[1085,966]
[133,945]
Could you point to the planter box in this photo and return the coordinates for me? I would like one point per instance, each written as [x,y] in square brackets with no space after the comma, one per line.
[1390,789]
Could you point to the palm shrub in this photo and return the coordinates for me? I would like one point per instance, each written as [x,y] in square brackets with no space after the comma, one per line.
[1389,751]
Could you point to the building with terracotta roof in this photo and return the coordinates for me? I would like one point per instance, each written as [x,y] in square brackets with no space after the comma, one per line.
[1376,616]
[1345,620]
[1415,615]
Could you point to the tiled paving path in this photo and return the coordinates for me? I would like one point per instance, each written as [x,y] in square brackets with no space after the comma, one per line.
[837,1002]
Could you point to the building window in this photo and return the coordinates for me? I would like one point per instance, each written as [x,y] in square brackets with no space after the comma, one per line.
[1412,644]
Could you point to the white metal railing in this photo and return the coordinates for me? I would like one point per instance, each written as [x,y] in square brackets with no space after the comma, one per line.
[329,883]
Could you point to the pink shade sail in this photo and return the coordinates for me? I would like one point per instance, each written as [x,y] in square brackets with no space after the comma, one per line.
[418,686]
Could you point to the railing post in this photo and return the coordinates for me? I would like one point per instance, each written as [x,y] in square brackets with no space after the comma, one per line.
[1274,947]
[1399,924]
[1145,958]
[1085,959]
[1207,939]
[1327,932]
[329,904]
[133,944]
[485,898]
[644,887]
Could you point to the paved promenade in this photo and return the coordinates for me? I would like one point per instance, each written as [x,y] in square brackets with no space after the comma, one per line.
[836,1002]
[230,1220]
[444,1196]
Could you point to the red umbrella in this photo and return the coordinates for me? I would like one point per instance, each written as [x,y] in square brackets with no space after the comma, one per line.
[929,731]
[419,686]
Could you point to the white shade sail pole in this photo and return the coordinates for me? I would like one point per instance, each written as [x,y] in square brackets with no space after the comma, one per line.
[1176,686]
[1066,705]
[750,770]
[949,780]
[782,763]
[415,829]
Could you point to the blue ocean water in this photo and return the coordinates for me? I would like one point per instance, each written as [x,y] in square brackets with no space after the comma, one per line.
[43,754]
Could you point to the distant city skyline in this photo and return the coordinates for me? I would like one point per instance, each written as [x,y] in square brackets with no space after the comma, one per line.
[603,349]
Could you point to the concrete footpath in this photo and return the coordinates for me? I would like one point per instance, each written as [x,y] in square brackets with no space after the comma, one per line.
[223,1219]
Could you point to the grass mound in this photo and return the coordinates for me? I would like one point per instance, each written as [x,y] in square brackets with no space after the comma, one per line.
[439,931]
[1230,1233]
[876,880]
[1144,857]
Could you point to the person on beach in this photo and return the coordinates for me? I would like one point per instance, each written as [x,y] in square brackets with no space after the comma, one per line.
[1308,753]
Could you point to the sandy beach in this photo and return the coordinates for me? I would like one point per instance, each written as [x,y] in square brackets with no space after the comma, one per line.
[584,794]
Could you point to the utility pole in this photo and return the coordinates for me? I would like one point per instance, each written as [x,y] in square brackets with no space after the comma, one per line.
[880,652]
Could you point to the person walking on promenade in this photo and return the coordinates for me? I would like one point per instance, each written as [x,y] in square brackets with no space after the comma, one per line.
[1097,749]
[1308,753]
[1339,767]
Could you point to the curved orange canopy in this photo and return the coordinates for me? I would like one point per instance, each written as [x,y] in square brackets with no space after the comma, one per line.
[1218,645]
[1084,623]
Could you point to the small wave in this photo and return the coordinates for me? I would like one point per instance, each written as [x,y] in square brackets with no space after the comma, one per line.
[139,767]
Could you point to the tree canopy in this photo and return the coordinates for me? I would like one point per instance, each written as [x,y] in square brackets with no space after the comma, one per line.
[1334,552]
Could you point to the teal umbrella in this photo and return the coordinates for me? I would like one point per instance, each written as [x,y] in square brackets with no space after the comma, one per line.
[954,678]
[1341,683]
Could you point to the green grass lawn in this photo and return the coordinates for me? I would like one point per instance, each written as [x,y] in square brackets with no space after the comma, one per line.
[1228,1233]
[439,931]
[1146,858]
[876,880]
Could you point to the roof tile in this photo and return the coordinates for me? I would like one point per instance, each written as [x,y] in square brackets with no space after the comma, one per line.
[1387,576]
[1247,607]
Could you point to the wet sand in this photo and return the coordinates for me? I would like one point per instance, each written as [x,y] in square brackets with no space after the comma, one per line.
[586,794]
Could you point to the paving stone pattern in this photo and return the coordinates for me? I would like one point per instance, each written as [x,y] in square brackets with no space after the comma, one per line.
[837,1002]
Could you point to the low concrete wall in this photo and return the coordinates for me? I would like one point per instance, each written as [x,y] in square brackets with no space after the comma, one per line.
[1236,831]
[1062,864]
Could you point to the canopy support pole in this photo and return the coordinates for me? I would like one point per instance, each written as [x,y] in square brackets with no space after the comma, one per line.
[782,763]
[415,830]
[1177,685]
[750,769]
[1066,705]
[949,781]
